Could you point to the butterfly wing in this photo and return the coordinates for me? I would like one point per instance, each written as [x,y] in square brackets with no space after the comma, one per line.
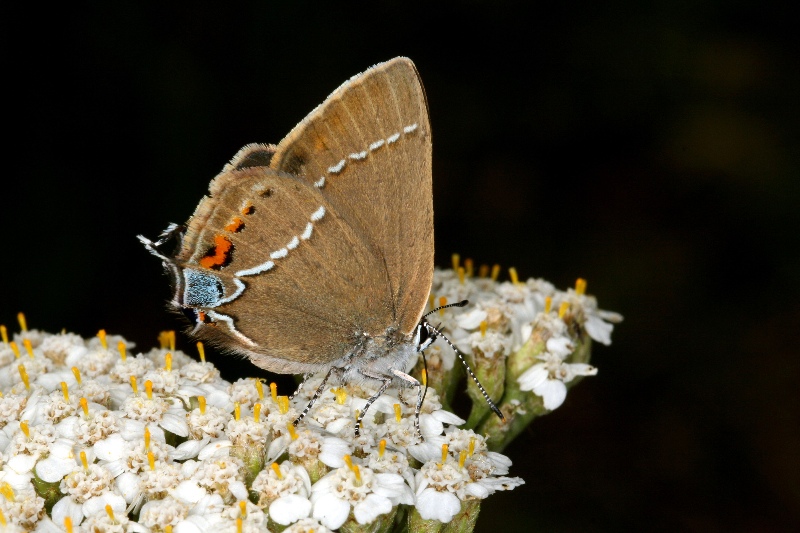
[291,263]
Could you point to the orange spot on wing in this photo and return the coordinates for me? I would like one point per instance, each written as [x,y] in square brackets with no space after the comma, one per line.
[220,255]
[248,209]
[236,225]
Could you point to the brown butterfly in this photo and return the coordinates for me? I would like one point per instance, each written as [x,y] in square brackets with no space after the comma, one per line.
[316,255]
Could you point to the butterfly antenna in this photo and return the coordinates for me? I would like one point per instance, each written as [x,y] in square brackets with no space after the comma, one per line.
[469,370]
[462,303]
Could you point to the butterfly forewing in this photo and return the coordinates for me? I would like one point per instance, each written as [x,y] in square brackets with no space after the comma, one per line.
[368,149]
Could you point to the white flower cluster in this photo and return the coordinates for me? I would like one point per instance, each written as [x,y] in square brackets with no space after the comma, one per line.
[93,438]
[503,318]
[157,442]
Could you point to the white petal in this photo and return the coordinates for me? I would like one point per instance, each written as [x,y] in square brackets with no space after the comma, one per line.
[560,346]
[189,449]
[238,489]
[533,377]
[389,485]
[598,329]
[447,417]
[372,507]
[477,490]
[435,505]
[22,463]
[277,447]
[66,507]
[553,393]
[217,448]
[337,425]
[471,319]
[111,448]
[331,511]
[428,450]
[54,468]
[582,369]
[430,426]
[175,423]
[189,492]
[333,450]
[129,485]
[97,504]
[288,509]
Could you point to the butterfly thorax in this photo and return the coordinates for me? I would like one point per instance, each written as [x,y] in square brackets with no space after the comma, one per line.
[374,358]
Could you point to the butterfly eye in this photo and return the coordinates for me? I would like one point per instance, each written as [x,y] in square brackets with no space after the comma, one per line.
[424,336]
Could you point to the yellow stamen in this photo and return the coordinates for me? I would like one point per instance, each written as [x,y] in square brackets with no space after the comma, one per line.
[24,375]
[292,431]
[168,362]
[512,272]
[548,303]
[148,389]
[445,448]
[483,271]
[68,524]
[201,401]
[484,326]
[358,414]
[237,411]
[77,374]
[133,385]
[146,438]
[259,389]
[431,300]
[273,391]
[461,275]
[152,460]
[14,348]
[462,458]
[202,351]
[348,461]
[442,303]
[469,266]
[84,406]
[7,491]
[398,412]
[381,447]
[4,334]
[171,338]
[163,339]
[65,390]
[357,472]
[283,404]
[562,309]
[580,286]
[277,470]
[495,271]
[84,461]
[102,336]
[168,529]
[3,519]
[25,429]
[110,513]
[424,376]
[456,258]
[341,395]
[471,446]
[257,412]
[243,508]
[123,350]
[28,347]
[23,324]
[238,525]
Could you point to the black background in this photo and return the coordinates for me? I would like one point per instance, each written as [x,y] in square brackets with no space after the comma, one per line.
[651,149]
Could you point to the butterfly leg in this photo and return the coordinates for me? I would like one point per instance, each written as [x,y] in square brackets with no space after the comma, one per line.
[300,386]
[420,397]
[317,393]
[387,380]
